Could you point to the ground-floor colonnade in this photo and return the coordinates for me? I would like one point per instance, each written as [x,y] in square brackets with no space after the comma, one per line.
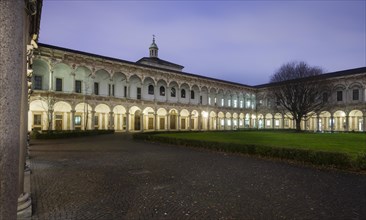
[64,115]
[122,115]
[325,121]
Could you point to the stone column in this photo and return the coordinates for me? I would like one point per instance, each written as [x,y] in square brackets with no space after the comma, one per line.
[232,123]
[92,123]
[12,59]
[178,122]
[273,122]
[24,209]
[331,122]
[168,122]
[283,122]
[111,121]
[72,120]
[199,122]
[364,121]
[156,121]
[127,121]
[189,123]
[142,122]
[50,81]
[217,122]
[208,122]
[317,123]
[347,123]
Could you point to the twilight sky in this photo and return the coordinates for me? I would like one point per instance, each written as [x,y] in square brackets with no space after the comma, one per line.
[239,41]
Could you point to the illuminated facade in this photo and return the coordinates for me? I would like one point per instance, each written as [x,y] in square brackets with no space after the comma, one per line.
[74,90]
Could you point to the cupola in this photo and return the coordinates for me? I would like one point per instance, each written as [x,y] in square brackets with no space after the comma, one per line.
[154,49]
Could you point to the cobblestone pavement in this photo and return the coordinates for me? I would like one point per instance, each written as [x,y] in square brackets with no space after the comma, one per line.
[114,177]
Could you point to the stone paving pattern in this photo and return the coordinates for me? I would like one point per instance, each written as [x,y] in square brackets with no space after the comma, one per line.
[114,177]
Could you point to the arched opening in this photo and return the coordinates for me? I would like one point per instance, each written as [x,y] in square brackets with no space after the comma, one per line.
[173,119]
[137,120]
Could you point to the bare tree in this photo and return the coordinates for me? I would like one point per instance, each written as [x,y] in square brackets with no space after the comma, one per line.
[49,100]
[298,88]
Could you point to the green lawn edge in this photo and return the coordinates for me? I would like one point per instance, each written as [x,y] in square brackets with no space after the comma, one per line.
[309,156]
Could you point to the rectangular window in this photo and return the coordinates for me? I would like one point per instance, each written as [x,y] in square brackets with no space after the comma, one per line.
[355,95]
[58,84]
[235,103]
[286,123]
[209,100]
[228,122]
[38,82]
[248,103]
[339,96]
[201,100]
[222,122]
[37,120]
[138,93]
[78,86]
[215,100]
[268,122]
[110,90]
[222,102]
[277,123]
[96,88]
[125,91]
[77,120]
[229,102]
[241,104]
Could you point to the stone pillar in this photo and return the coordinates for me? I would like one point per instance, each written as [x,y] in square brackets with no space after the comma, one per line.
[364,121]
[50,84]
[273,122]
[72,120]
[12,59]
[331,122]
[347,123]
[111,121]
[217,122]
[232,123]
[317,123]
[178,122]
[92,123]
[142,122]
[208,122]
[156,121]
[189,123]
[24,209]
[199,122]
[168,121]
[127,121]
[283,122]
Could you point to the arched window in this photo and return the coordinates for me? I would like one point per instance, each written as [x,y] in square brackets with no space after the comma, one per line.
[172,92]
[192,94]
[183,93]
[162,90]
[151,90]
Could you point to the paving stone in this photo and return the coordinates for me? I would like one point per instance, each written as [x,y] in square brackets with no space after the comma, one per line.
[114,177]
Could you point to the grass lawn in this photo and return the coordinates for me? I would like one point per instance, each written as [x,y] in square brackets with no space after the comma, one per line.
[349,143]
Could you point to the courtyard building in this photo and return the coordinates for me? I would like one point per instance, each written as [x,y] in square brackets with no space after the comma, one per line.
[74,90]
